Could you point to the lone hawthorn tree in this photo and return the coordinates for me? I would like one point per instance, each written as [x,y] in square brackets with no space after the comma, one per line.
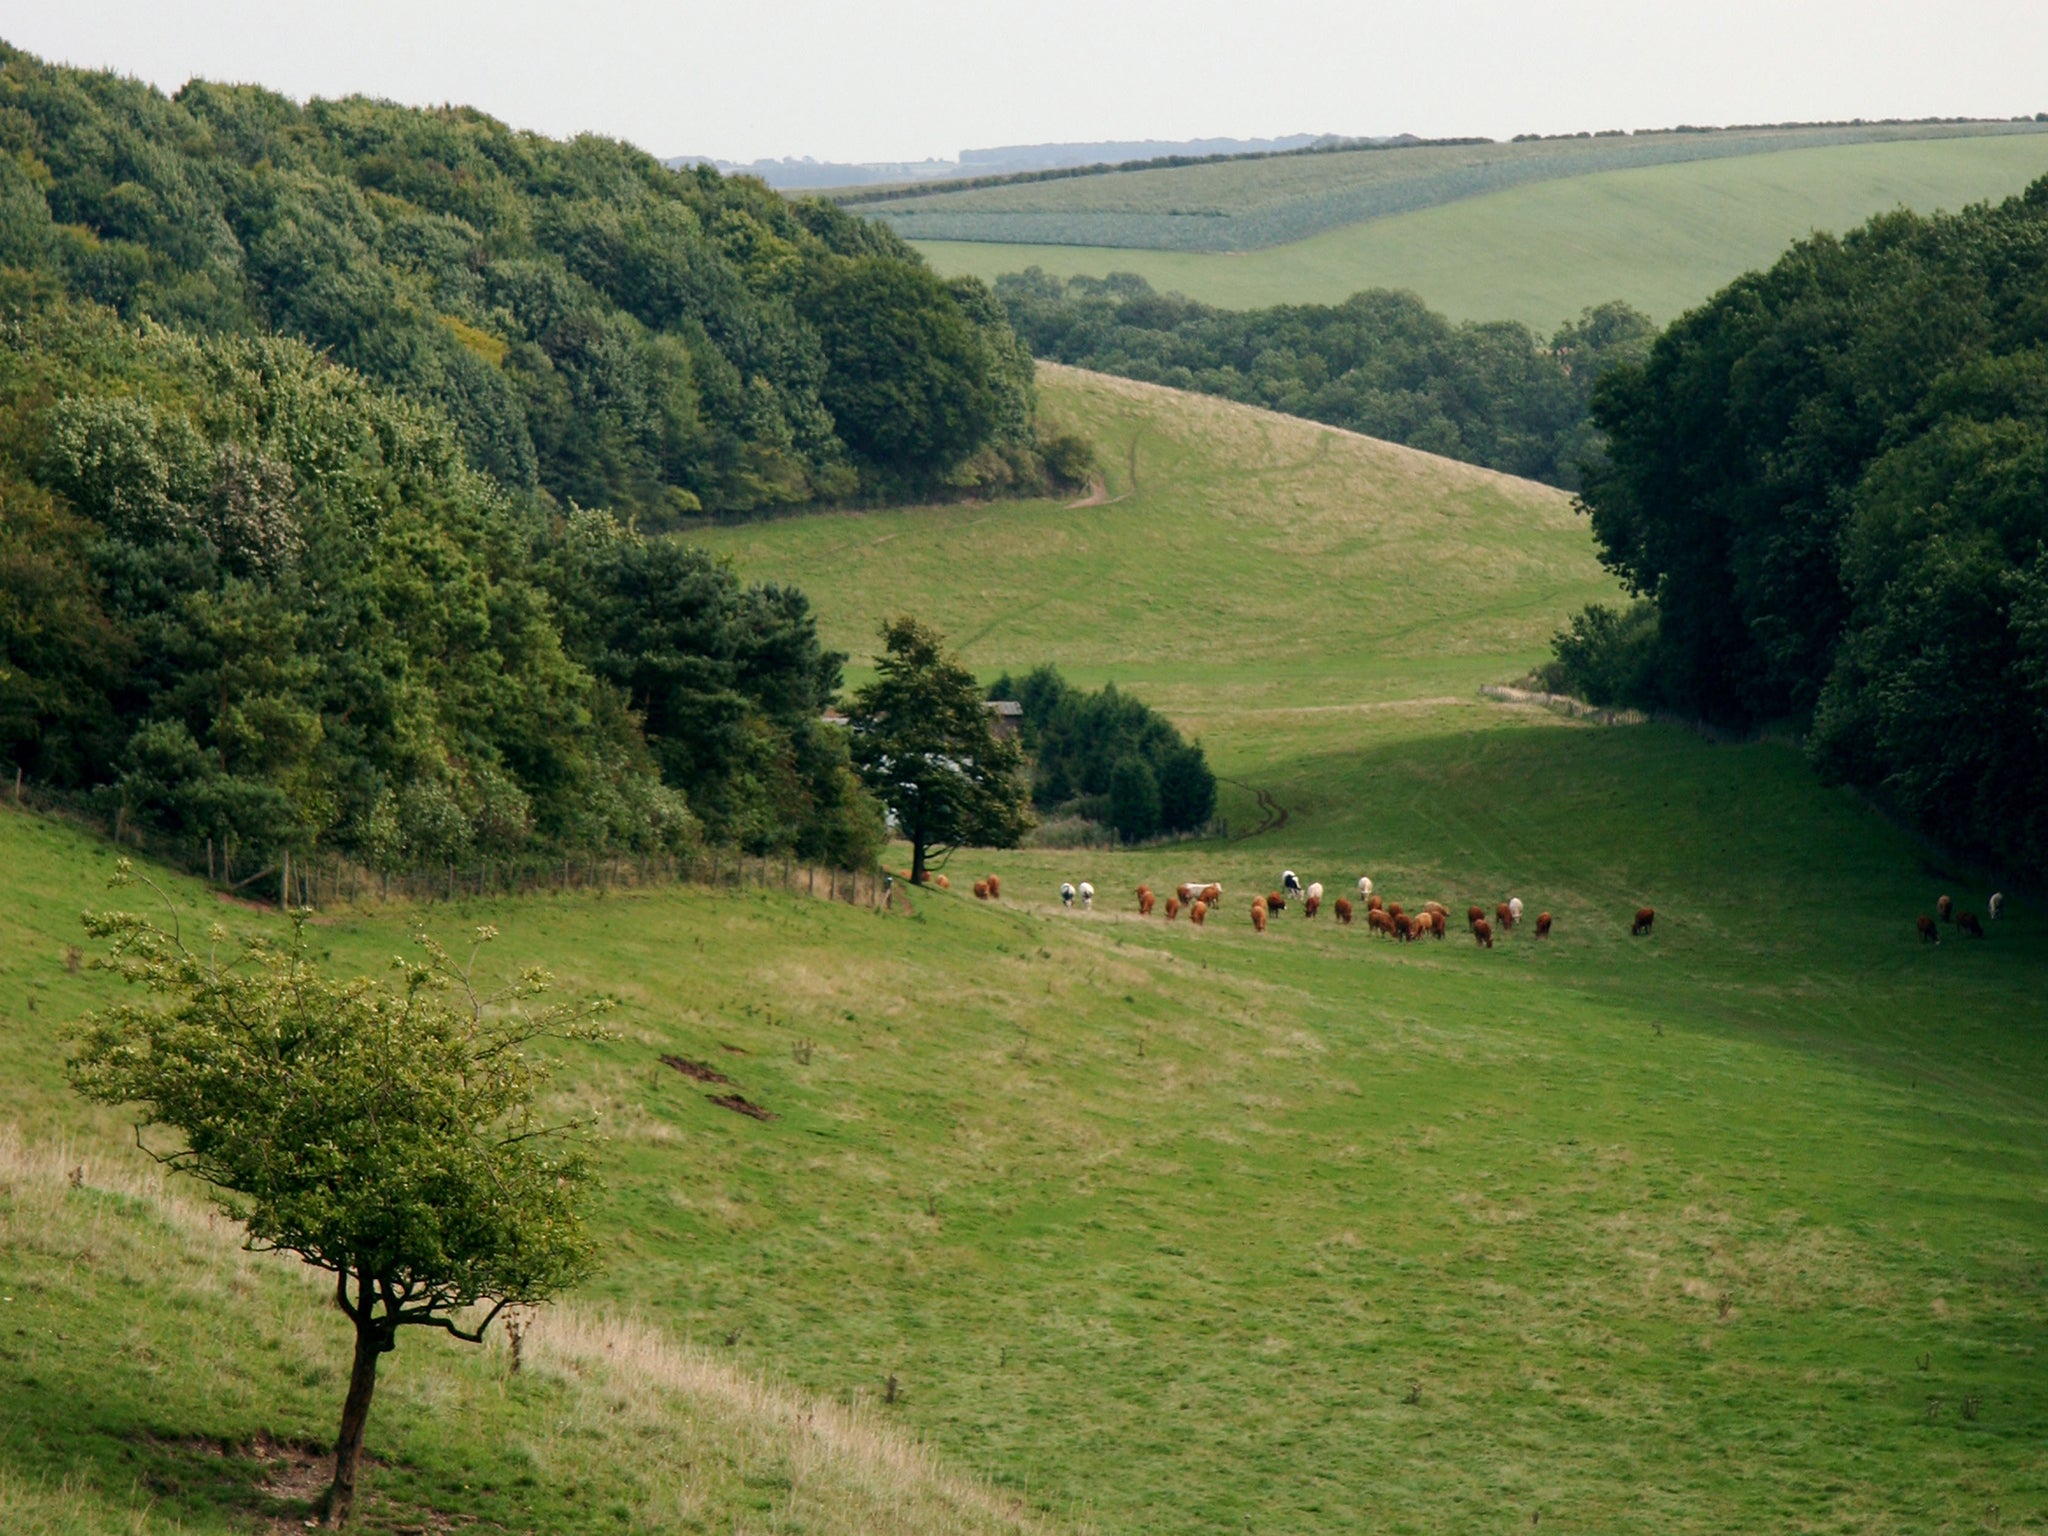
[388,1134]
[923,743]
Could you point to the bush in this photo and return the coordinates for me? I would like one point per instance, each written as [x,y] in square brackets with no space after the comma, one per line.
[1608,656]
[1134,800]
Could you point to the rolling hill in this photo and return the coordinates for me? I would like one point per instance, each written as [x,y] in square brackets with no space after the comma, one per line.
[1661,236]
[1736,1227]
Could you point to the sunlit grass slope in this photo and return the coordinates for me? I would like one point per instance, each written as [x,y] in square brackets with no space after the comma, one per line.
[1662,237]
[1736,1227]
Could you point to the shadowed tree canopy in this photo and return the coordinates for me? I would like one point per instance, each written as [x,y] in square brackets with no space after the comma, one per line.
[923,741]
[389,1135]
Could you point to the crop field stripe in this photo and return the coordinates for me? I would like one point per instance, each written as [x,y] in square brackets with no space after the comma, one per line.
[1663,238]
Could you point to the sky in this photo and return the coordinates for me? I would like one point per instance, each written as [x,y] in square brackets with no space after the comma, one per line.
[910,79]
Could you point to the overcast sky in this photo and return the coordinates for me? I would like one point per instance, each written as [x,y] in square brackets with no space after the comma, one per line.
[906,79]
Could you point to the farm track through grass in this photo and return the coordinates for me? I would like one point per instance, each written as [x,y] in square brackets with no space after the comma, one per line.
[1663,237]
[1165,1230]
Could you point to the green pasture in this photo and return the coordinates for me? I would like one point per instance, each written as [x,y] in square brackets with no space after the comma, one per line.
[1663,237]
[1739,1226]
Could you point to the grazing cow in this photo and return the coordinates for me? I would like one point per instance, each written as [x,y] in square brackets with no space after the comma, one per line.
[1515,908]
[1144,901]
[1315,890]
[1312,903]
[1377,920]
[1929,934]
[1290,882]
[1997,905]
[1066,893]
[1542,925]
[1087,897]
[1504,915]
[981,890]
[1394,910]
[1436,909]
[1943,907]
[1967,921]
[1212,893]
[1258,915]
[1197,912]
[1172,908]
[1275,902]
[995,888]
[1184,891]
[1344,911]
[1474,916]
[1436,925]
[1482,931]
[1645,916]
[1365,885]
[942,882]
[1376,903]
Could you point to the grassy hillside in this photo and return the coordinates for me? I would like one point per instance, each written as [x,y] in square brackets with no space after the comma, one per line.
[1737,1227]
[1661,237]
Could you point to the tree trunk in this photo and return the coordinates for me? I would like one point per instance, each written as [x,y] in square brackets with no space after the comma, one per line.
[917,861]
[355,1416]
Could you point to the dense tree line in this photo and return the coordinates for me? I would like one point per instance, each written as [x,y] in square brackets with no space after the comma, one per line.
[1828,488]
[1381,363]
[1109,758]
[248,595]
[602,329]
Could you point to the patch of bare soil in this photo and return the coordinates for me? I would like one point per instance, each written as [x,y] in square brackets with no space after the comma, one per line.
[739,1105]
[697,1071]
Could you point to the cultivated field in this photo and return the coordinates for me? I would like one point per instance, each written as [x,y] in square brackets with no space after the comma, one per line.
[1663,236]
[1737,1227]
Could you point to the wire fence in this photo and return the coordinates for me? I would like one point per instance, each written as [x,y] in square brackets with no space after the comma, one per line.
[324,878]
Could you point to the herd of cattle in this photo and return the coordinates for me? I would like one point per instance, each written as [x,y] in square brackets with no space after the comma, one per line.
[1199,898]
[1945,910]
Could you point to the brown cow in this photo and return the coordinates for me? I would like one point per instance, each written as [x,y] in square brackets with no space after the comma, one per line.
[1967,921]
[1482,930]
[1343,911]
[1542,925]
[995,888]
[1943,908]
[1185,892]
[1377,920]
[1394,910]
[1212,893]
[1375,904]
[1436,909]
[1172,908]
[981,890]
[1929,934]
[1144,901]
[1258,915]
[1275,902]
[942,882]
[1310,905]
[1645,916]
[1436,925]
[1505,916]
[1197,912]
[1474,916]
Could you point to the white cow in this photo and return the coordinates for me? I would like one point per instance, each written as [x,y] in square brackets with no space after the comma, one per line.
[1515,908]
[1364,886]
[1066,893]
[1087,897]
[1997,904]
[1315,892]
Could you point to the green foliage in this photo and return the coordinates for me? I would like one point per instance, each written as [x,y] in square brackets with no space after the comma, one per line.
[1607,655]
[1379,363]
[1134,809]
[384,1136]
[600,328]
[1081,741]
[1831,480]
[923,743]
